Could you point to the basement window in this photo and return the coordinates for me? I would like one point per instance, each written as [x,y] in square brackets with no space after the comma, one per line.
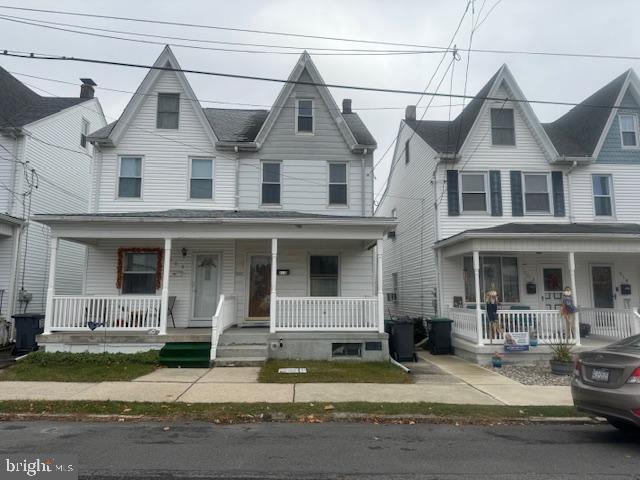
[346,349]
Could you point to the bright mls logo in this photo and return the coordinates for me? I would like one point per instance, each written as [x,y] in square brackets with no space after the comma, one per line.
[50,467]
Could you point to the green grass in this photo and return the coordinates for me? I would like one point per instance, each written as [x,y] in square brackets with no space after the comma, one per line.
[81,367]
[333,372]
[248,412]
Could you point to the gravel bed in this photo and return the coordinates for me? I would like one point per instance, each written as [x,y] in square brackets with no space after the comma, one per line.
[533,375]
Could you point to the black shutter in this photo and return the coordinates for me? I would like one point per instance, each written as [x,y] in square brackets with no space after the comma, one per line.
[453,197]
[496,193]
[516,193]
[557,182]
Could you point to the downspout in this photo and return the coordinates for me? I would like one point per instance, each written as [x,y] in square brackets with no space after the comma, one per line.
[14,173]
[363,183]
[436,228]
[574,164]
[13,276]
[237,193]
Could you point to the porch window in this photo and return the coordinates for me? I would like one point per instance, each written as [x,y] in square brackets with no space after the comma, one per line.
[201,183]
[474,192]
[337,184]
[602,195]
[502,127]
[323,276]
[168,110]
[139,273]
[536,193]
[130,181]
[629,130]
[497,273]
[304,114]
[271,183]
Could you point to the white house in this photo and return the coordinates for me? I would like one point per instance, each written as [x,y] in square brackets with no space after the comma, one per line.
[252,218]
[495,199]
[45,162]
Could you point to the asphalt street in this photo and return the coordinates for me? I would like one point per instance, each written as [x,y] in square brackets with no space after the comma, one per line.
[331,450]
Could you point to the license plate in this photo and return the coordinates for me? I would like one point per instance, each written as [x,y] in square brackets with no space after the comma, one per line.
[600,374]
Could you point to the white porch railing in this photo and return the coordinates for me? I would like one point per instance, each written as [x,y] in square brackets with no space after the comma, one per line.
[126,312]
[465,324]
[327,313]
[224,317]
[611,322]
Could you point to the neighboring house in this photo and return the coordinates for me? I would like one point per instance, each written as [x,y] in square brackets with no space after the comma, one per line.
[496,200]
[47,135]
[256,218]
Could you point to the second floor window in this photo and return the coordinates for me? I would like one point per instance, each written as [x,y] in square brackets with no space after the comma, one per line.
[304,114]
[474,192]
[602,195]
[536,193]
[502,127]
[168,110]
[337,184]
[84,133]
[629,130]
[130,180]
[201,182]
[271,183]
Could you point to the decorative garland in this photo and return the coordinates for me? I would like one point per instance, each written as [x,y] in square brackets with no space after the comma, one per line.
[120,270]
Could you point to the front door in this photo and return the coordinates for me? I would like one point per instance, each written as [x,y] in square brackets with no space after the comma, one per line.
[552,287]
[205,288]
[602,283]
[259,286]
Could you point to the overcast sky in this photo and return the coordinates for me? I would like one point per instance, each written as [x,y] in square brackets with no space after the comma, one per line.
[582,26]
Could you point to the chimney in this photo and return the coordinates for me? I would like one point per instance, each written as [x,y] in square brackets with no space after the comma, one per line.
[346,105]
[86,89]
[410,112]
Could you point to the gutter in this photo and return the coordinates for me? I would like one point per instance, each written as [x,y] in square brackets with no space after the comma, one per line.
[237,146]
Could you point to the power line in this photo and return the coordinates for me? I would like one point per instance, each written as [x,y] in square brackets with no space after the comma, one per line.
[327,37]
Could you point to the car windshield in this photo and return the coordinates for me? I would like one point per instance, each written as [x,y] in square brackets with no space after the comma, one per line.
[629,342]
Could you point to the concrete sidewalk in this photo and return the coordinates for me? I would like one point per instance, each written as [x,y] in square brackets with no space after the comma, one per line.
[439,379]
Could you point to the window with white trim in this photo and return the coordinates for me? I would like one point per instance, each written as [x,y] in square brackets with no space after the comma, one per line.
[503,130]
[537,192]
[201,181]
[168,110]
[337,184]
[84,133]
[323,275]
[629,130]
[473,192]
[304,116]
[130,178]
[271,183]
[139,273]
[602,196]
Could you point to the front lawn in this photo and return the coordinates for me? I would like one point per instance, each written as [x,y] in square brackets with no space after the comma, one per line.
[81,367]
[333,372]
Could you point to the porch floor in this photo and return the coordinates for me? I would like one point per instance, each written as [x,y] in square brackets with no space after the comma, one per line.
[119,337]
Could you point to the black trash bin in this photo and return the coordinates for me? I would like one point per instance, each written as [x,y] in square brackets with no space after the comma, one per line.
[439,335]
[401,344]
[27,325]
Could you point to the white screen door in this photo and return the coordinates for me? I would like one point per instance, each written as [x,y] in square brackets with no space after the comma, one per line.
[205,287]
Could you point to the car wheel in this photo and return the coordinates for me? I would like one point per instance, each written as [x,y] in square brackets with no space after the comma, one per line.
[623,426]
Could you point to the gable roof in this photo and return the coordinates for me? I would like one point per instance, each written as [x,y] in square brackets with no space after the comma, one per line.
[234,125]
[20,106]
[578,131]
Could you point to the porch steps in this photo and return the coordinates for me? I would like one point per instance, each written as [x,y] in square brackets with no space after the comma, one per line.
[185,355]
[242,347]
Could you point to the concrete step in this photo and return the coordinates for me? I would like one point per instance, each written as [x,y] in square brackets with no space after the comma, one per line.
[235,351]
[239,362]
[237,338]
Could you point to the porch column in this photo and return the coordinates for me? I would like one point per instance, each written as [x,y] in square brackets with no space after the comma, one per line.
[164,299]
[48,313]
[274,276]
[574,290]
[476,276]
[380,293]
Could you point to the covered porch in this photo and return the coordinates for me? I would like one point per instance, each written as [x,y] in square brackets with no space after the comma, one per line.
[530,265]
[164,279]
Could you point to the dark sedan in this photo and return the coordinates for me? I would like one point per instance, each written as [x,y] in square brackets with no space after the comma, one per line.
[606,382]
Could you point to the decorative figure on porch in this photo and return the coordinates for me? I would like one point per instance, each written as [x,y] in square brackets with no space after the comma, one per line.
[491,300]
[568,310]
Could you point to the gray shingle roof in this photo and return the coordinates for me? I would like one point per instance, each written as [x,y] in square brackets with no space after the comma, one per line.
[20,105]
[234,125]
[448,137]
[359,129]
[103,132]
[577,132]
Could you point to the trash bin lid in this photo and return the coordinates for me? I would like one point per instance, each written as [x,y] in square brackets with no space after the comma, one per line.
[37,316]
[439,319]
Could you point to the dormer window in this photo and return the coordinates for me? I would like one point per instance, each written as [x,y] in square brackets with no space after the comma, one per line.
[168,110]
[304,116]
[629,130]
[502,127]
[84,133]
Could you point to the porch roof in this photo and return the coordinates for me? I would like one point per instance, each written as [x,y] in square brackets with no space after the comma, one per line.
[593,237]
[6,218]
